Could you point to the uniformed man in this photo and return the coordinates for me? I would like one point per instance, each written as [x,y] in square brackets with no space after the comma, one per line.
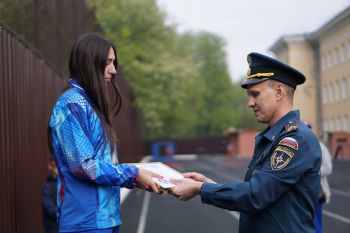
[280,190]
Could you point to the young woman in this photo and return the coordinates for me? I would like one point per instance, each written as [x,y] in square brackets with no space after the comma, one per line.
[85,144]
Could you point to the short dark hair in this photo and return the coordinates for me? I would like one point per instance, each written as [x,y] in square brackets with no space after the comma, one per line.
[87,63]
[290,90]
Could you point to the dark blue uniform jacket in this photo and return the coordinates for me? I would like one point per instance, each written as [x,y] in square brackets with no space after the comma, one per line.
[281,187]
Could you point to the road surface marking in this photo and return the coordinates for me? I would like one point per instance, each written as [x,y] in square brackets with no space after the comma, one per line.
[235,214]
[144,211]
[336,216]
[340,192]
[124,192]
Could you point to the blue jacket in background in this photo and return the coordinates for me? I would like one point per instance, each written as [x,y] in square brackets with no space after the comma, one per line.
[89,176]
[49,204]
[281,187]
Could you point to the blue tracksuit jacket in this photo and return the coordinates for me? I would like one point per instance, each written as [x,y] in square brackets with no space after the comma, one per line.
[89,176]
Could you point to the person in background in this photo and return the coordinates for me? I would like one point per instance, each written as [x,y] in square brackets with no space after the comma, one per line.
[49,199]
[230,146]
[325,191]
[280,189]
[82,137]
[338,151]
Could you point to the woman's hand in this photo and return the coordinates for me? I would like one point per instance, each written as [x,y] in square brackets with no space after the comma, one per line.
[145,180]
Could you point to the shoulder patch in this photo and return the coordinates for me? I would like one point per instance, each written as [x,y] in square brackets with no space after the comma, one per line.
[291,126]
[281,157]
[290,142]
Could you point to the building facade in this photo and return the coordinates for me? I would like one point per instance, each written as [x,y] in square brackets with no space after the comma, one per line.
[324,57]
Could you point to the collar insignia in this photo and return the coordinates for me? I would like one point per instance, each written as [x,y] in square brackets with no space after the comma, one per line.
[291,126]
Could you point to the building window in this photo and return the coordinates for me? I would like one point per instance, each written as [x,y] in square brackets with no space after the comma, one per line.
[323,62]
[330,93]
[342,52]
[344,87]
[348,86]
[338,124]
[336,90]
[324,95]
[326,126]
[346,123]
[348,49]
[336,56]
[331,124]
[329,59]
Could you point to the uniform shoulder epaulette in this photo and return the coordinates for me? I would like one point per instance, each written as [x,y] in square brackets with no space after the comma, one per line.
[291,126]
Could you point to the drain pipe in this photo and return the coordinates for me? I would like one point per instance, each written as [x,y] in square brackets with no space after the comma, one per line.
[317,72]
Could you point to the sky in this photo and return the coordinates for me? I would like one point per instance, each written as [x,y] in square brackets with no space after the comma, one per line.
[250,25]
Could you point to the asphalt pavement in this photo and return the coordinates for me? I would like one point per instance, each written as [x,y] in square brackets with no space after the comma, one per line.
[143,212]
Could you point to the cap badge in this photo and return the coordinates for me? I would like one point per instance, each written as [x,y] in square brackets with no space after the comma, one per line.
[249,59]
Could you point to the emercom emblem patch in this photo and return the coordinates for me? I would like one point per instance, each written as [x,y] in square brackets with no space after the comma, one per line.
[281,157]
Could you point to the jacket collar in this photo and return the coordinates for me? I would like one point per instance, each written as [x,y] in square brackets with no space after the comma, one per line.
[271,132]
[75,83]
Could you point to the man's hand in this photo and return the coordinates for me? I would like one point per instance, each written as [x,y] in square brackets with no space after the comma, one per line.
[185,188]
[145,180]
[198,177]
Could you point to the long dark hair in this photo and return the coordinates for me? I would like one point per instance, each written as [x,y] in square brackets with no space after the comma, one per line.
[87,63]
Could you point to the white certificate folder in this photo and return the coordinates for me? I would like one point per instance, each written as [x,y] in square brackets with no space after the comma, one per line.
[163,170]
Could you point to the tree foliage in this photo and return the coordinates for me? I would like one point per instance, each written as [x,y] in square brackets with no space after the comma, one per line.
[180,81]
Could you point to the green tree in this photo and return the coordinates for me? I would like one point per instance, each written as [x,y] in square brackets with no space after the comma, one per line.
[217,111]
[244,117]
[180,81]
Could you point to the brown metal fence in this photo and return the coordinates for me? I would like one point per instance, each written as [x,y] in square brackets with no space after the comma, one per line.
[51,26]
[28,90]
